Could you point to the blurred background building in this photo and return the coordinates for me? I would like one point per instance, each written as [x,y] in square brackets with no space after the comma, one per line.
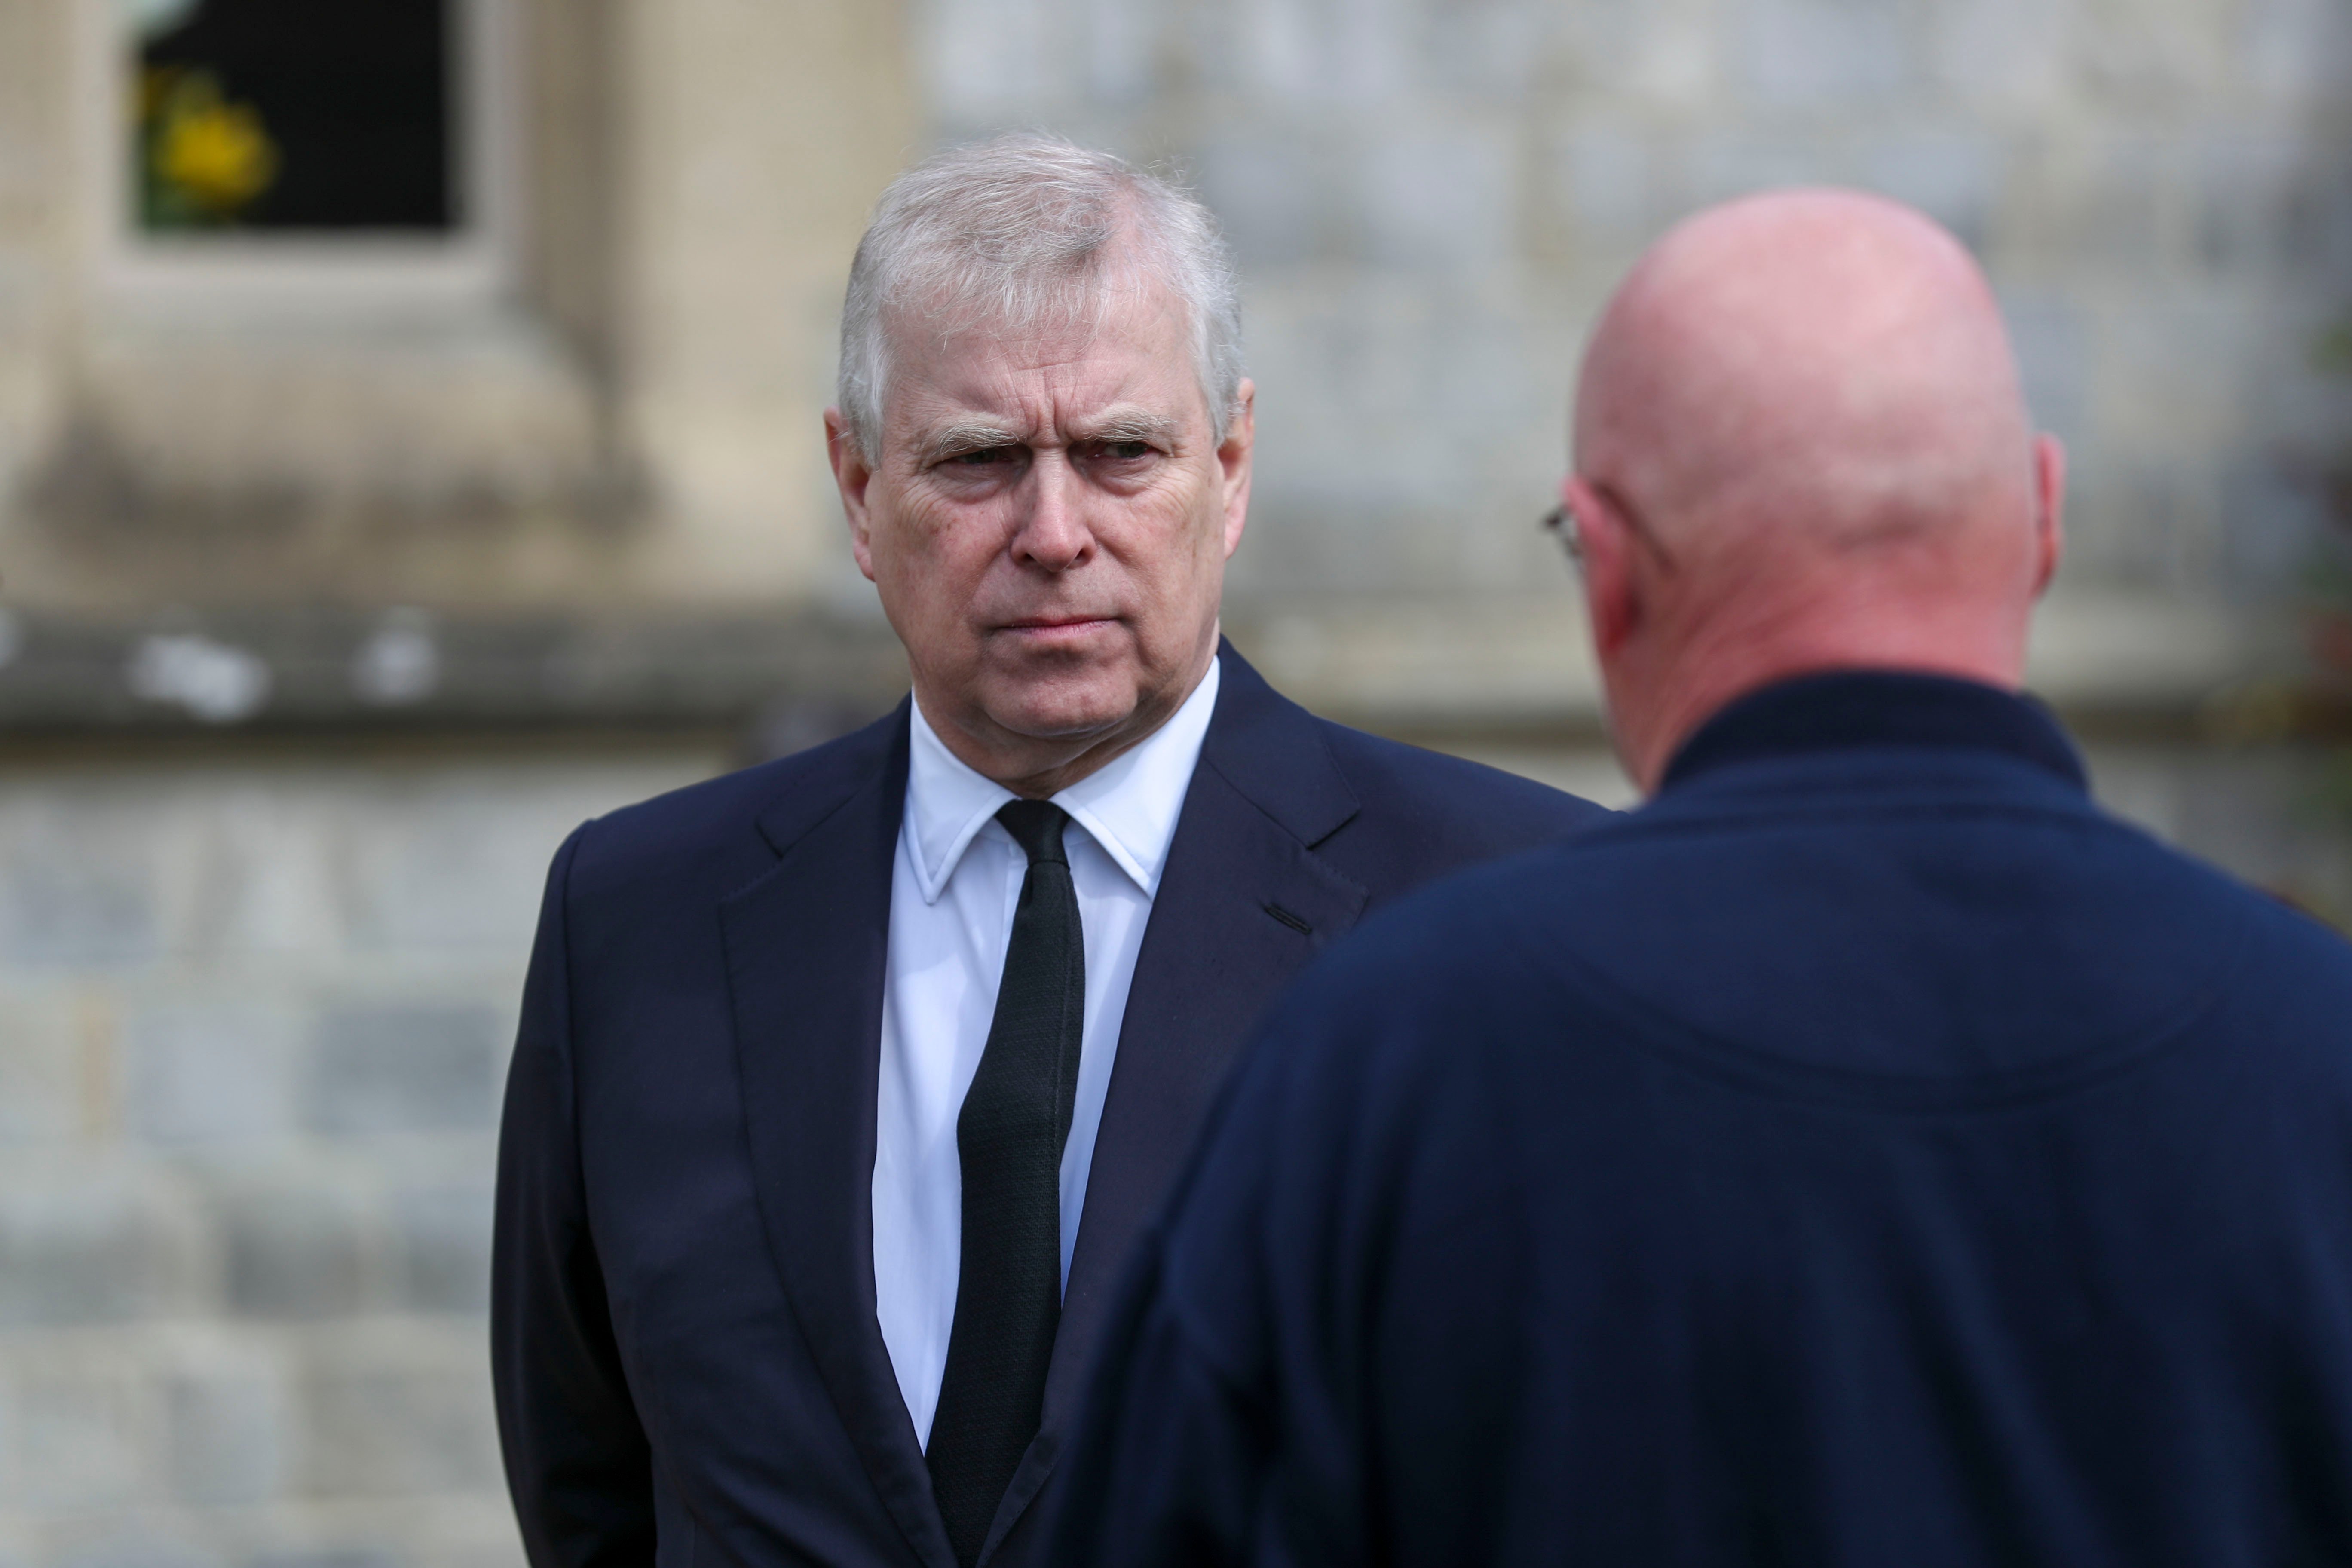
[409,447]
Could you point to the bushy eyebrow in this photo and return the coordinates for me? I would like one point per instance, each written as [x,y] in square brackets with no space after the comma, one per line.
[1117,429]
[969,435]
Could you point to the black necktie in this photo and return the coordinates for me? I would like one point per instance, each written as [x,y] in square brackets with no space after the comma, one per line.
[1009,1138]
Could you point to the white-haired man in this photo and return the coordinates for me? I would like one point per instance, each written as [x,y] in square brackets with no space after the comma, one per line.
[844,1083]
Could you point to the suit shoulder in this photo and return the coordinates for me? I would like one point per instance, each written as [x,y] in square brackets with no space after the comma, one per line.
[710,835]
[1431,977]
[1448,810]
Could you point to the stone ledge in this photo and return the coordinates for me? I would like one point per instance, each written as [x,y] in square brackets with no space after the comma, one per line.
[2110,658]
[1517,667]
[320,669]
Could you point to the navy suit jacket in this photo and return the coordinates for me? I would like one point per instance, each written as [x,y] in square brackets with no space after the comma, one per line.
[687,1359]
[1868,1153]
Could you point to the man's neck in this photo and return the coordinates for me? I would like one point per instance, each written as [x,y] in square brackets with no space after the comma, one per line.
[1710,686]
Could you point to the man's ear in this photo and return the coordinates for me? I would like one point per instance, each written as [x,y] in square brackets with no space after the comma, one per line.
[1612,598]
[1233,461]
[2049,509]
[851,474]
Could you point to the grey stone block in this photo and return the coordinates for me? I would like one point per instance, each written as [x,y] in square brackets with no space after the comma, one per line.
[982,59]
[254,869]
[2155,524]
[225,1438]
[1617,182]
[1274,199]
[200,1073]
[455,864]
[2295,50]
[1498,49]
[1724,164]
[79,1436]
[1285,53]
[399,1431]
[2298,397]
[131,1547]
[1954,175]
[1464,406]
[444,1234]
[1440,196]
[2003,54]
[297,1252]
[503,1550]
[2169,376]
[405,1067]
[2053,355]
[90,1248]
[41,1078]
[2116,205]
[77,886]
[2269,200]
[331,1557]
[1118,46]
[2274,522]
[1825,52]
[12,1446]
[2160,56]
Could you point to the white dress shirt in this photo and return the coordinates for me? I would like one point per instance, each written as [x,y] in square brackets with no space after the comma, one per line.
[953,885]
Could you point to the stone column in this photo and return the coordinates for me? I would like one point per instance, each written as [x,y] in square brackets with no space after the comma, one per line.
[762,130]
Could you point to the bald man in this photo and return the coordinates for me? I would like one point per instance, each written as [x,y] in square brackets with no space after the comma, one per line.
[1881,1157]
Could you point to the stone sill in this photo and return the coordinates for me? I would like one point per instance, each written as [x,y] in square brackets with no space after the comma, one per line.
[1517,671]
[317,670]
[2116,662]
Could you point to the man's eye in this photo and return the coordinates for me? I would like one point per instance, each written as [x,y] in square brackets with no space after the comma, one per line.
[983,458]
[1122,451]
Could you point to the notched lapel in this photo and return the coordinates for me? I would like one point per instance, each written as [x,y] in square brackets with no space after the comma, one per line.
[1241,909]
[806,950]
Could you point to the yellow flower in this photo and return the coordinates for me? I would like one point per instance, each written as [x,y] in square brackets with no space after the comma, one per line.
[215,154]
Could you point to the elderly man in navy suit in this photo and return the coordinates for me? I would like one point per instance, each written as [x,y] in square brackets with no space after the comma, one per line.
[844,1083]
[1868,1153]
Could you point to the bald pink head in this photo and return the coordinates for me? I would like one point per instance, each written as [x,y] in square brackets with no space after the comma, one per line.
[1800,445]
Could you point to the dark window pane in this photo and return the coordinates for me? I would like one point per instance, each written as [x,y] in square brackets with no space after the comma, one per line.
[296,114]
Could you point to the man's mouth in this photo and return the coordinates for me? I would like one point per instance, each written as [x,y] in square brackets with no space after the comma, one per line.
[1051,625]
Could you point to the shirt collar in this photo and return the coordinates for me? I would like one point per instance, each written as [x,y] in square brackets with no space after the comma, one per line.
[1877,708]
[1129,805]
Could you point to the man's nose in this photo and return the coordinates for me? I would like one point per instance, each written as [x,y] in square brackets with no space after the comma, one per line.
[1053,532]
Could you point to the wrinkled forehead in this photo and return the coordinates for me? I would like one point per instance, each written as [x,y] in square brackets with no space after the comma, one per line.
[1121,338]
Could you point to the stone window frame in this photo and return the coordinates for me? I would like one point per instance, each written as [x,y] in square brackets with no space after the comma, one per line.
[361,278]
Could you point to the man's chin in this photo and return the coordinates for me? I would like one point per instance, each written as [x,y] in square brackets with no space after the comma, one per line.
[1065,705]
[1060,723]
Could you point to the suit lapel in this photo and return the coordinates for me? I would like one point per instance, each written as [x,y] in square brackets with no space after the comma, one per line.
[1243,903]
[807,947]
[1215,955]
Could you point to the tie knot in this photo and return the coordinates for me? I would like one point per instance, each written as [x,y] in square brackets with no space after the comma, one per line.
[1036,825]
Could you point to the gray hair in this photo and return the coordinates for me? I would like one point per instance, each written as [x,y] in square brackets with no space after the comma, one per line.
[1020,229]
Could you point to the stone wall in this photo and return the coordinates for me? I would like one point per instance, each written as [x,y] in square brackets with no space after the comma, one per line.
[620,414]
[254,1001]
[1430,200]
[254,1021]
[254,1024]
